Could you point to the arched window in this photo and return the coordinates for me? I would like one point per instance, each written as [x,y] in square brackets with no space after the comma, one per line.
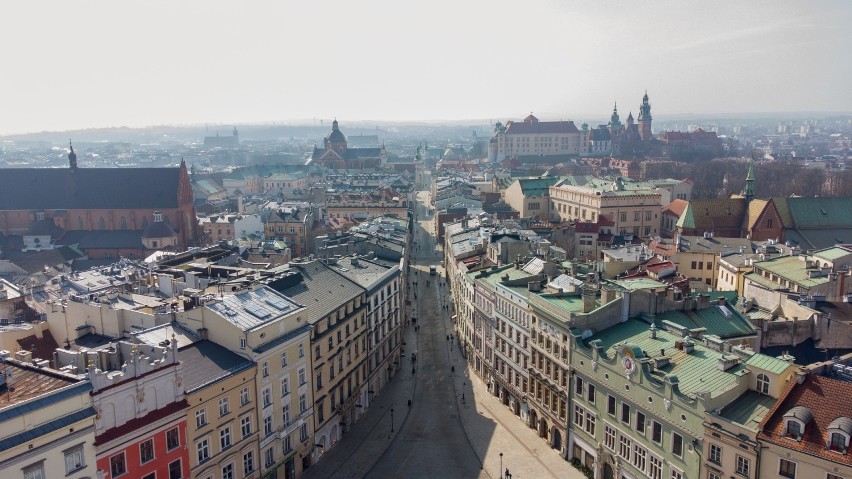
[101,223]
[144,222]
[79,223]
[123,223]
[763,384]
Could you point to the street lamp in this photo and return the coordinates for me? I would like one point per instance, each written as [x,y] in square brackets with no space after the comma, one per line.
[391,419]
[501,463]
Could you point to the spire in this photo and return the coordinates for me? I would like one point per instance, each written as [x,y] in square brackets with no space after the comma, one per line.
[614,120]
[72,157]
[334,126]
[748,189]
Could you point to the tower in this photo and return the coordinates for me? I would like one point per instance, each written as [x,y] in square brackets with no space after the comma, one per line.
[614,121]
[645,118]
[336,141]
[748,189]
[72,157]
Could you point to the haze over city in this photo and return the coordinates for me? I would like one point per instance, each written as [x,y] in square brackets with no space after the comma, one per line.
[75,65]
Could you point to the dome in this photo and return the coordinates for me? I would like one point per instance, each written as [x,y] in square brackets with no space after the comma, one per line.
[336,136]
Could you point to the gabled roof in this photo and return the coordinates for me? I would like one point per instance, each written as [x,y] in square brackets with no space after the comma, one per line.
[714,215]
[319,284]
[820,212]
[536,186]
[676,207]
[89,188]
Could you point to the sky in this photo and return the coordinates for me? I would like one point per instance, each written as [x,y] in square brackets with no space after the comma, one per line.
[90,64]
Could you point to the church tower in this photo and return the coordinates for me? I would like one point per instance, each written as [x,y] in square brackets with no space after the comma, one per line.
[748,189]
[336,140]
[645,118]
[72,157]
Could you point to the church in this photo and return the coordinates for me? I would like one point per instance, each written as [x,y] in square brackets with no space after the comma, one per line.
[336,154]
[106,212]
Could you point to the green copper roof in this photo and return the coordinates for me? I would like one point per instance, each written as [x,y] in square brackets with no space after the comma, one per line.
[768,363]
[697,372]
[712,318]
[791,268]
[749,409]
[537,186]
[820,212]
[686,221]
[832,253]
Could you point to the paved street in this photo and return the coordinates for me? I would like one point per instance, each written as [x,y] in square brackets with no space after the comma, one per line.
[454,428]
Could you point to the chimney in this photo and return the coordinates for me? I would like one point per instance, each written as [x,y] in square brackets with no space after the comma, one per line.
[721,301]
[589,295]
[653,331]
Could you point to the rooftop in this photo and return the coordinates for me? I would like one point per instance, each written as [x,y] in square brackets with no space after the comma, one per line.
[251,309]
[206,362]
[319,284]
[749,409]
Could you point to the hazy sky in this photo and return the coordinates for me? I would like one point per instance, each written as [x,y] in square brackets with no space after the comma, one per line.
[77,64]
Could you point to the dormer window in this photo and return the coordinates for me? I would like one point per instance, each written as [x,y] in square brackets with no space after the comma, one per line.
[839,432]
[795,422]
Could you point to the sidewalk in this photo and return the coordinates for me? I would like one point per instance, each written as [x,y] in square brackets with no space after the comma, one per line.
[524,453]
[370,436]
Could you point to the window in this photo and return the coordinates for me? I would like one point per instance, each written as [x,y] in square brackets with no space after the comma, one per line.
[715,454]
[302,379]
[269,458]
[647,216]
[837,442]
[657,432]
[763,383]
[175,470]
[590,393]
[624,448]
[117,465]
[101,223]
[146,451]
[172,439]
[639,455]
[36,471]
[288,446]
[243,343]
[285,387]
[625,413]
[224,408]
[74,459]
[787,468]
[610,405]
[228,472]
[285,415]
[317,352]
[743,466]
[609,437]
[303,403]
[244,396]
[303,432]
[267,397]
[656,469]
[245,426]
[123,223]
[319,380]
[677,444]
[248,463]
[832,476]
[794,429]
[635,216]
[284,359]
[578,386]
[266,369]
[225,438]
[301,350]
[640,422]
[202,447]
[200,418]
[713,475]
[268,425]
[676,474]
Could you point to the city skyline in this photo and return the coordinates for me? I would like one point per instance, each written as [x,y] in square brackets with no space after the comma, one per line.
[103,65]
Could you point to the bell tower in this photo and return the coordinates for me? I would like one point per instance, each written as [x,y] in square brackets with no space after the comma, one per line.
[645,118]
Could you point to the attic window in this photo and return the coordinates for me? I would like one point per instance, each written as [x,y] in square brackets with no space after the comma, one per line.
[795,422]
[839,432]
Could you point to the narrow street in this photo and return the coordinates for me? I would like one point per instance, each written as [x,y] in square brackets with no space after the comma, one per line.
[453,428]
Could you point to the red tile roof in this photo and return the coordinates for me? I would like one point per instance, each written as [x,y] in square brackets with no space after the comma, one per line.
[676,207]
[827,399]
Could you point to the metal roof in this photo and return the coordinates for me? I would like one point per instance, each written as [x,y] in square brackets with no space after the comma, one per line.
[250,309]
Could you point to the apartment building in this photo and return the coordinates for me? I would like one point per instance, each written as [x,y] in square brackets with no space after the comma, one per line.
[337,319]
[633,207]
[272,331]
[384,284]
